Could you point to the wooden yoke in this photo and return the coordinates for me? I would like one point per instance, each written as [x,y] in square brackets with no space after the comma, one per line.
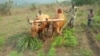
[49,20]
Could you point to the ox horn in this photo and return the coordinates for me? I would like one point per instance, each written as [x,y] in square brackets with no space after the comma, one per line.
[29,21]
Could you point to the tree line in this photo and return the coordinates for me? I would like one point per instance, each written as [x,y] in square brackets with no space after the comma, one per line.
[5,8]
[86,2]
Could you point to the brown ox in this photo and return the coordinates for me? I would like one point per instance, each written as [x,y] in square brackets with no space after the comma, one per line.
[38,28]
[57,25]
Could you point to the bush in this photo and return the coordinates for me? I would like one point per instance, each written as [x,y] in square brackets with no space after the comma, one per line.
[5,8]
[27,42]
[14,53]
[85,52]
[2,41]
[98,37]
[34,6]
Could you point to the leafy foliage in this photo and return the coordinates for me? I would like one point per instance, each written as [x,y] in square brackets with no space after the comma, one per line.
[14,53]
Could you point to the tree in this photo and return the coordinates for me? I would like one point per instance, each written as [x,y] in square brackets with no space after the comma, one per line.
[5,8]
[82,2]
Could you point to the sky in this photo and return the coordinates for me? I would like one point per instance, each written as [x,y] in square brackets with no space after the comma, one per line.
[20,2]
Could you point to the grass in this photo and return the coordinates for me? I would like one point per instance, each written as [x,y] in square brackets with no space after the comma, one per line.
[27,42]
[98,12]
[14,53]
[98,37]
[58,42]
[24,41]
[79,14]
[70,39]
[85,52]
[0,18]
[96,22]
[2,41]
[51,52]
[97,19]
[41,53]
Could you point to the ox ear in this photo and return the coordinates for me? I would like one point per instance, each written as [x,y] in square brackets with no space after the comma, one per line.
[29,21]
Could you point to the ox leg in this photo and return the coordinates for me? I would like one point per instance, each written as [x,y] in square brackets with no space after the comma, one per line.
[52,34]
[39,35]
[60,31]
[43,37]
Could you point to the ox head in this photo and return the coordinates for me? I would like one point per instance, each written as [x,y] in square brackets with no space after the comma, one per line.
[34,27]
[59,10]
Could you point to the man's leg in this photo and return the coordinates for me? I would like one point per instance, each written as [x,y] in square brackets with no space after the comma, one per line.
[89,22]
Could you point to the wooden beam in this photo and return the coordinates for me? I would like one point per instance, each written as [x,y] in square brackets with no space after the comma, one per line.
[31,21]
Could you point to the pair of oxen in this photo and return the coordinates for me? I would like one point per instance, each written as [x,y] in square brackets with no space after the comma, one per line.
[38,28]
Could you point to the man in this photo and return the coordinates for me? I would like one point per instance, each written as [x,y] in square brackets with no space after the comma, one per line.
[72,15]
[39,13]
[90,17]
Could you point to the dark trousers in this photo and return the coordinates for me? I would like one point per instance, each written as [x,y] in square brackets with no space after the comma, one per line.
[71,22]
[89,22]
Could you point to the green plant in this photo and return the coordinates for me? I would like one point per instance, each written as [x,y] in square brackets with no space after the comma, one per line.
[27,42]
[98,37]
[14,53]
[85,52]
[58,41]
[70,39]
[2,41]
[51,52]
[41,53]
[68,33]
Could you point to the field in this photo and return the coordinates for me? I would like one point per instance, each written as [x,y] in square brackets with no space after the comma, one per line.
[79,41]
